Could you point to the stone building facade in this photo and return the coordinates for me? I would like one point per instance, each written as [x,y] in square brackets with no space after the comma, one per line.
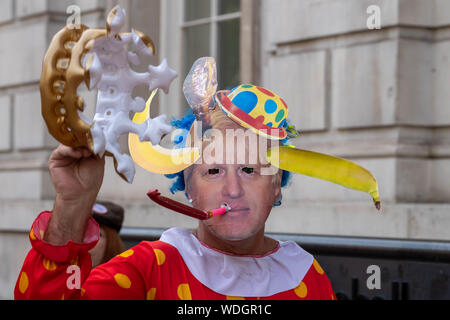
[379,97]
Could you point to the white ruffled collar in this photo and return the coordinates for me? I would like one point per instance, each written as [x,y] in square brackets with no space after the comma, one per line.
[244,276]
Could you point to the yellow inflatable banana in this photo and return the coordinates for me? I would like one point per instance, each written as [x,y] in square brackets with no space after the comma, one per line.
[156,158]
[325,167]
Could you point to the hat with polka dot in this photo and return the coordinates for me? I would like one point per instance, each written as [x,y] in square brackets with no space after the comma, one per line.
[255,108]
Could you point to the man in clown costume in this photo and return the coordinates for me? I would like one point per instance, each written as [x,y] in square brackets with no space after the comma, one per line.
[226,257]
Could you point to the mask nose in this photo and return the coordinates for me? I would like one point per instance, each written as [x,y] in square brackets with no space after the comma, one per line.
[232,186]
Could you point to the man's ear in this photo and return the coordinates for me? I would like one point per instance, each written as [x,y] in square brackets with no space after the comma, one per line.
[277,186]
[277,189]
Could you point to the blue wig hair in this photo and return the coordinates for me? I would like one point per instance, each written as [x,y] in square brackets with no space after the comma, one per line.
[185,124]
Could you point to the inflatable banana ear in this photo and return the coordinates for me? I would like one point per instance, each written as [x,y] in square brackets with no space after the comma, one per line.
[155,158]
[199,88]
[325,167]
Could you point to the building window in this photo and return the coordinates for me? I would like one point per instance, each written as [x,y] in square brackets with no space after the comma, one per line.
[212,28]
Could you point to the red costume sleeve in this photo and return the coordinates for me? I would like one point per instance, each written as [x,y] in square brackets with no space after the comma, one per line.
[55,272]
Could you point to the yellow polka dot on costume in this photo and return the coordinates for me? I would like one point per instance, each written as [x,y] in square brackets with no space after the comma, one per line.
[83,292]
[32,236]
[301,291]
[126,254]
[184,292]
[122,280]
[62,298]
[235,298]
[160,256]
[151,294]
[23,282]
[332,297]
[317,267]
[49,265]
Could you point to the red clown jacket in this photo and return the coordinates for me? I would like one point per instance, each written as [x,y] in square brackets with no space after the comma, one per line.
[177,267]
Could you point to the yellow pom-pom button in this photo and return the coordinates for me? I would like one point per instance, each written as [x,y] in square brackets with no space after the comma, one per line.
[126,254]
[23,282]
[317,267]
[49,265]
[160,256]
[151,294]
[301,291]
[122,280]
[184,292]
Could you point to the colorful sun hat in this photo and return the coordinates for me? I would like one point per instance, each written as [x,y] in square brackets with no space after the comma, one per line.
[255,108]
